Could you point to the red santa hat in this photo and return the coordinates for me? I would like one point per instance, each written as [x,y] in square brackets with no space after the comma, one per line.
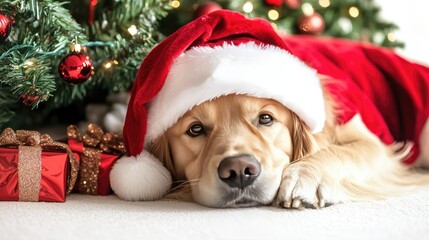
[215,55]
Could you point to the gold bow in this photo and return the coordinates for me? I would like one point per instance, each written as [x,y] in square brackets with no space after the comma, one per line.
[33,138]
[96,138]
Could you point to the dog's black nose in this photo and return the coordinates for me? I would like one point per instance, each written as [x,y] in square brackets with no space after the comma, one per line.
[239,171]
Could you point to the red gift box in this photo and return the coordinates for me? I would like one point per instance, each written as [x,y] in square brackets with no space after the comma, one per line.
[98,151]
[33,167]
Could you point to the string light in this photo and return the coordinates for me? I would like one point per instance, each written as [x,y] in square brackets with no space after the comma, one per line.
[307,9]
[132,30]
[391,37]
[248,7]
[354,11]
[109,64]
[28,63]
[273,14]
[274,26]
[175,3]
[324,3]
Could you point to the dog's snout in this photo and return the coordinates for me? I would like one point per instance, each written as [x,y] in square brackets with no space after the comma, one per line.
[239,171]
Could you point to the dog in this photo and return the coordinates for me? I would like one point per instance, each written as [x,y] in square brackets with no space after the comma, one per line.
[241,151]
[239,116]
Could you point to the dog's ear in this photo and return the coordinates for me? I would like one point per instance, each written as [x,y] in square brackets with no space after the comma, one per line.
[303,140]
[161,150]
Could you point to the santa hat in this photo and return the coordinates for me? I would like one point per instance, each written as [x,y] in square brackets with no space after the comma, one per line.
[217,54]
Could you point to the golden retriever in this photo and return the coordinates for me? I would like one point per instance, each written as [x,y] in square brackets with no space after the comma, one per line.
[240,151]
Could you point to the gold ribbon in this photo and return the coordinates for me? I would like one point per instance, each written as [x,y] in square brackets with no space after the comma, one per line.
[31,143]
[95,142]
[29,172]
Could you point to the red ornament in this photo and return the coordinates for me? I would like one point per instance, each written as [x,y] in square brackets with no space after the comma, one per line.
[293,4]
[313,24]
[28,100]
[274,3]
[206,8]
[5,27]
[75,68]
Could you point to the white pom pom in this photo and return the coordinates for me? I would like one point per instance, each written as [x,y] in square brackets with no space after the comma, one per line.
[140,178]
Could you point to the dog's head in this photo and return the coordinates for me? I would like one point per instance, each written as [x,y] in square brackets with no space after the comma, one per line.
[231,151]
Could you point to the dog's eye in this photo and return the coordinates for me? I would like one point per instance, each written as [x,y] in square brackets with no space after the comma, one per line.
[266,119]
[195,130]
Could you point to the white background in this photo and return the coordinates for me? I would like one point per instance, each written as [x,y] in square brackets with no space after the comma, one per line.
[412,17]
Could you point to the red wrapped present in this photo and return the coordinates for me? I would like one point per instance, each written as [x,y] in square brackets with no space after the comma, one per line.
[98,152]
[34,168]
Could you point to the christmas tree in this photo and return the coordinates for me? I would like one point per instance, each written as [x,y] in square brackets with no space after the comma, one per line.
[42,81]
[353,19]
[39,74]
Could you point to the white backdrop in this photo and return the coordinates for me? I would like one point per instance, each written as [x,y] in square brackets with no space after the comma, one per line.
[412,17]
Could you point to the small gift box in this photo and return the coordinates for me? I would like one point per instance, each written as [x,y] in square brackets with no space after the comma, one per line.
[98,152]
[34,168]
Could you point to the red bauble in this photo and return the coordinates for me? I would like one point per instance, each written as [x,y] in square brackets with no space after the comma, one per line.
[5,27]
[206,8]
[75,68]
[28,100]
[293,4]
[274,3]
[313,24]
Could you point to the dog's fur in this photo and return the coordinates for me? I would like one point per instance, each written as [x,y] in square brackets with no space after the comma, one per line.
[299,169]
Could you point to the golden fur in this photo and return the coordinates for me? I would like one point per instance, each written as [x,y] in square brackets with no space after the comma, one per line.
[299,169]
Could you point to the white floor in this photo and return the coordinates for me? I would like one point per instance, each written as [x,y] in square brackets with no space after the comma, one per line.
[98,217]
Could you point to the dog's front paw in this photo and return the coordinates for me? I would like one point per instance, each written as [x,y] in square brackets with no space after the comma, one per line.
[303,186]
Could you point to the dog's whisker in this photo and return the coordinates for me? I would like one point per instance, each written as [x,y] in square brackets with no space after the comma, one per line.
[183,184]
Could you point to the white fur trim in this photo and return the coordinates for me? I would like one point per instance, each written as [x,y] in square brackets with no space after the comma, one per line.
[140,178]
[204,73]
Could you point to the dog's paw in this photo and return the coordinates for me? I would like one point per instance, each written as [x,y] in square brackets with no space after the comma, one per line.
[303,186]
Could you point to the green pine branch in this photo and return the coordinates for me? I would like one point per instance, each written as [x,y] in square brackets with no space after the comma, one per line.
[367,26]
[126,51]
[37,41]
[40,39]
